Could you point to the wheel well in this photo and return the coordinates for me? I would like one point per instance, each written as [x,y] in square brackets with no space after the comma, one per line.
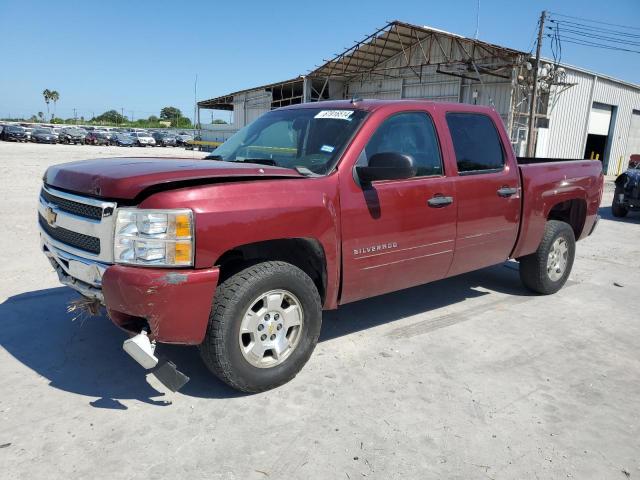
[573,212]
[306,254]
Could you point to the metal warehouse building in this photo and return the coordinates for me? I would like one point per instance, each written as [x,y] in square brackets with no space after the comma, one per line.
[579,114]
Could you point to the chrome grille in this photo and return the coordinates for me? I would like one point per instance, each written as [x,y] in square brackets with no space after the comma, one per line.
[81,226]
[73,239]
[80,209]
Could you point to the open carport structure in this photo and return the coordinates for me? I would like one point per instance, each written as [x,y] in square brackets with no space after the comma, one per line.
[401,60]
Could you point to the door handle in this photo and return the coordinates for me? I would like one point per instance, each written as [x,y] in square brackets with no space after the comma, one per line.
[507,191]
[439,201]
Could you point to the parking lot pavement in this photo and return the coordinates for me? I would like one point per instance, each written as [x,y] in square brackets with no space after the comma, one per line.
[470,377]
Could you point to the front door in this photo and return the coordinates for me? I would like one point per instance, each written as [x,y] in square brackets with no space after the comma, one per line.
[398,233]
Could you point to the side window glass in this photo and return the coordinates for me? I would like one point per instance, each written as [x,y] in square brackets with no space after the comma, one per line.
[410,133]
[476,142]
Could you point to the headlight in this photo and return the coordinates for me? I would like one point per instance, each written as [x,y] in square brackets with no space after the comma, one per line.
[159,238]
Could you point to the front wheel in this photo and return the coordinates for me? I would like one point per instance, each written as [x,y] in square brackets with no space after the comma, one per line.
[263,327]
[546,270]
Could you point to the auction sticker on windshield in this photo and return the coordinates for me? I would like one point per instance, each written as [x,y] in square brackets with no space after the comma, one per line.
[335,114]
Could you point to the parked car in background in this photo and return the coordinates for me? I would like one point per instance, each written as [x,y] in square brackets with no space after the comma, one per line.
[14,133]
[44,135]
[72,135]
[164,139]
[122,140]
[183,138]
[143,139]
[29,133]
[96,137]
[627,194]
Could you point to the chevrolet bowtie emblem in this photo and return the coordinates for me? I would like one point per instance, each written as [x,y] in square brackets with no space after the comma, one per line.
[50,216]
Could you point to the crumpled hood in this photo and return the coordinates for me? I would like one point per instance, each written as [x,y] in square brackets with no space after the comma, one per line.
[126,178]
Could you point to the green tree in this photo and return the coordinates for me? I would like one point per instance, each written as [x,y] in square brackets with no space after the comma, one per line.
[55,96]
[110,116]
[170,113]
[182,122]
[46,93]
[41,116]
[219,121]
[153,119]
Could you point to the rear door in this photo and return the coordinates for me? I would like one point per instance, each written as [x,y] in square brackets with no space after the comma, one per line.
[394,234]
[488,191]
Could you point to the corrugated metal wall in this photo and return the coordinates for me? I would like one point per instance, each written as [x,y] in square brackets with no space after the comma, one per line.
[569,114]
[569,117]
[427,83]
[626,99]
[249,106]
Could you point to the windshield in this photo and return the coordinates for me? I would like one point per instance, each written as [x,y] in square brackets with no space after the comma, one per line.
[42,131]
[310,138]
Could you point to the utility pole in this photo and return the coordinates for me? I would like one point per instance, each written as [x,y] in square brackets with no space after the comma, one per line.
[75,116]
[195,102]
[534,92]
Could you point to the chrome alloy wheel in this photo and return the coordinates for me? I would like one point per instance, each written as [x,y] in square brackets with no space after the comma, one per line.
[271,328]
[557,259]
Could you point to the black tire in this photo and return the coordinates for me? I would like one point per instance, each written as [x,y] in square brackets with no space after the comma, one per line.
[220,349]
[533,268]
[618,210]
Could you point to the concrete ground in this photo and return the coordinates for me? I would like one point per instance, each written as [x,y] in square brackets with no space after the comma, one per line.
[468,378]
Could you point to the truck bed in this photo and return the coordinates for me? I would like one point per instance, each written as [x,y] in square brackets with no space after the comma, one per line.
[545,184]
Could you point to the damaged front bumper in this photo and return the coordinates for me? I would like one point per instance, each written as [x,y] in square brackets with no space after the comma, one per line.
[172,305]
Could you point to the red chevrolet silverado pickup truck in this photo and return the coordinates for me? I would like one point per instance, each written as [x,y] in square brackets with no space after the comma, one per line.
[307,208]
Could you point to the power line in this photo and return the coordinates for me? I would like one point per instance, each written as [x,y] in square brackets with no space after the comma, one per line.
[594,21]
[586,43]
[600,37]
[584,26]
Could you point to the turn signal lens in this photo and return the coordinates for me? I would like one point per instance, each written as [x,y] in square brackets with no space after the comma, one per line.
[183,226]
[183,253]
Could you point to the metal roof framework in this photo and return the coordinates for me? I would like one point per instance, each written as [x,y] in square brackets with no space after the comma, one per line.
[457,56]
[397,38]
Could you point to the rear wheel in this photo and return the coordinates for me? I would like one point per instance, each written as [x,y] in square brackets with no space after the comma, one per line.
[618,210]
[546,270]
[263,327]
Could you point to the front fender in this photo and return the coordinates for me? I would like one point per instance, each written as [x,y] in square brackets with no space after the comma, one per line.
[232,214]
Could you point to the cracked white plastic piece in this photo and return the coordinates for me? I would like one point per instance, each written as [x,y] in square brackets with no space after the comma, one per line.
[141,350]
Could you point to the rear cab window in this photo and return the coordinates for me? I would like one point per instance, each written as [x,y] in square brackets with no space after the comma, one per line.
[476,142]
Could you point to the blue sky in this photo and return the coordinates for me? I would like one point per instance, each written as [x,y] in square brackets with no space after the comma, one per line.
[143,55]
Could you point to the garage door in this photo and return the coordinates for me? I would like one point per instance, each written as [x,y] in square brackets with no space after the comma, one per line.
[600,119]
[633,142]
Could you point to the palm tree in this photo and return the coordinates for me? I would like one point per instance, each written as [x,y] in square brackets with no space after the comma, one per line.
[55,96]
[46,93]
[41,116]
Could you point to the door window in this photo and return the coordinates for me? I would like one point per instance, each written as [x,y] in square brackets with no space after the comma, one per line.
[410,133]
[476,143]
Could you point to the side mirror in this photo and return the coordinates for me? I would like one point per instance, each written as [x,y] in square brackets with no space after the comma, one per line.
[387,166]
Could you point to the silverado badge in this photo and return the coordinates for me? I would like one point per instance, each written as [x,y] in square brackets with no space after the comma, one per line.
[50,216]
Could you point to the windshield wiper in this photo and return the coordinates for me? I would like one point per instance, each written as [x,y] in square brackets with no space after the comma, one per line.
[267,161]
